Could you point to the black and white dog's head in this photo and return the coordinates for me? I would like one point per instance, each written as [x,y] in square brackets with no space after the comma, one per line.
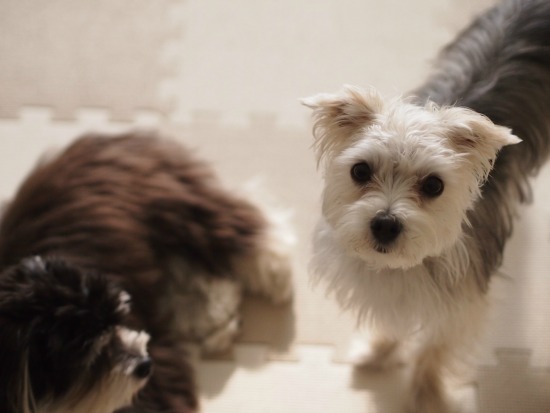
[63,346]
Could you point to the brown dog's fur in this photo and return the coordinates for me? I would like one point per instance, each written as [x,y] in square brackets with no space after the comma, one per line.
[126,206]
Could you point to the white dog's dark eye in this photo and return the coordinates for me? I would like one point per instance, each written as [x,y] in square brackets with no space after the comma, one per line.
[361,172]
[432,186]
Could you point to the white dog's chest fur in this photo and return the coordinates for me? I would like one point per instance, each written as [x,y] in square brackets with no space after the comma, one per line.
[398,302]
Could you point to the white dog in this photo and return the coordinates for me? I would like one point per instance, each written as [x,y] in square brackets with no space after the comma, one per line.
[417,206]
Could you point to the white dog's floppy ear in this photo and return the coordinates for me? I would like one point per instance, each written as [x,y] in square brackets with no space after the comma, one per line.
[476,135]
[338,116]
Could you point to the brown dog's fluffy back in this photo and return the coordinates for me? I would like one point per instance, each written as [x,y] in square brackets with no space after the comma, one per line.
[129,206]
[124,202]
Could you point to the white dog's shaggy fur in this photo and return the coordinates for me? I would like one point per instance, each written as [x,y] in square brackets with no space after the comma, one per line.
[417,206]
[416,281]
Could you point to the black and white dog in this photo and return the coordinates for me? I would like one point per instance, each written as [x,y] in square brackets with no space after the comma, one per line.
[64,345]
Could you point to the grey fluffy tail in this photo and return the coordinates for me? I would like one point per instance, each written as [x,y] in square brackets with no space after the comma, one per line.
[500,66]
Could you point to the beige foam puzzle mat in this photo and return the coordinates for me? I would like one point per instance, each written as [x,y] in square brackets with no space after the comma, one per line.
[225,78]
[71,54]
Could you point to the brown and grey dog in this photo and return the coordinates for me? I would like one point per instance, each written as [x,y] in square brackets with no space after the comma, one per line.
[417,206]
[137,213]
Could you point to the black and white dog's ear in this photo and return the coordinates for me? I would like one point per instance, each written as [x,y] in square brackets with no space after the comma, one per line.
[338,116]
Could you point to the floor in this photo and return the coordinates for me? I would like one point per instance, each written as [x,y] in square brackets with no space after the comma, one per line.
[225,78]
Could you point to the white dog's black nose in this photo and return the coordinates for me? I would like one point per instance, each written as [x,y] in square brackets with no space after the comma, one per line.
[385,228]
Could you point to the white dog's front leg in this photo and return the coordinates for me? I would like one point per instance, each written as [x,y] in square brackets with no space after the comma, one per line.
[428,393]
